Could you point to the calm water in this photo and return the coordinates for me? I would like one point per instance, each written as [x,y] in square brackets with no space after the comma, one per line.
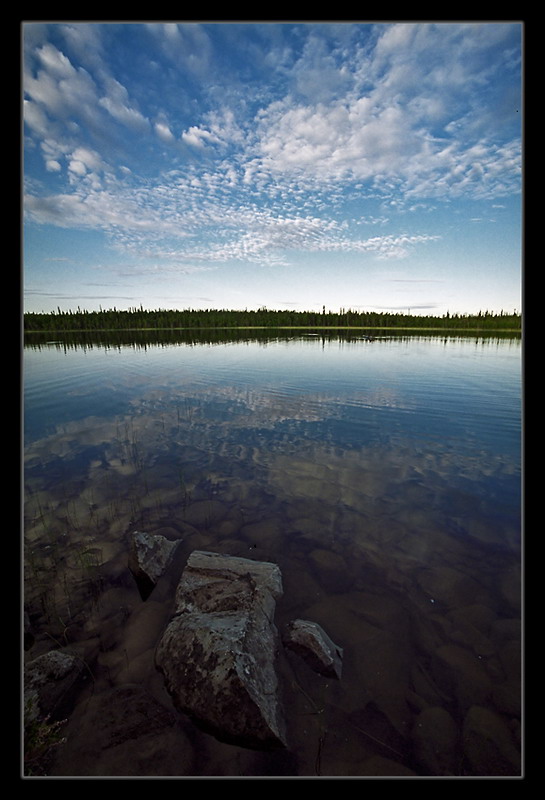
[384,479]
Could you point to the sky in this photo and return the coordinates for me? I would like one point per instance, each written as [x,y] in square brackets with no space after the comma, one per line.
[371,166]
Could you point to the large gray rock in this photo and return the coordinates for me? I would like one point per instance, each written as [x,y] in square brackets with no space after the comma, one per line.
[149,557]
[312,643]
[218,652]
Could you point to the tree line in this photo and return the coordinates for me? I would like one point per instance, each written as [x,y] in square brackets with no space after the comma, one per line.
[164,319]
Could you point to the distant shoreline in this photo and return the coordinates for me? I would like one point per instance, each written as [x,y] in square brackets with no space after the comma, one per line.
[470,329]
[139,319]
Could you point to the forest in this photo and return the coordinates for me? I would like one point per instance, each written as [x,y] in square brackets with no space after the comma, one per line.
[198,319]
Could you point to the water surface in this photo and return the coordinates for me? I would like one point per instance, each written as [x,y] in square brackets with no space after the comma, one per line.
[382,476]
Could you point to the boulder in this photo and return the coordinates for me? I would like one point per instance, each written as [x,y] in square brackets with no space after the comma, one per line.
[312,643]
[124,732]
[489,744]
[218,652]
[28,632]
[380,767]
[149,557]
[330,569]
[436,742]
[461,675]
[449,587]
[51,682]
[204,513]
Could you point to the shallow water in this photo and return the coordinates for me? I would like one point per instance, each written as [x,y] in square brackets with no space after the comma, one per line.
[384,479]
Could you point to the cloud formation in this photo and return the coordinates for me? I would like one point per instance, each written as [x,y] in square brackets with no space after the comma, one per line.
[251,143]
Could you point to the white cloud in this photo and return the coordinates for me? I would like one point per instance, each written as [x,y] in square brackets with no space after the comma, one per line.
[117,103]
[60,88]
[397,115]
[60,101]
[199,137]
[223,124]
[358,141]
[35,117]
[385,120]
[387,247]
[90,158]
[392,113]
[77,167]
[186,45]
[163,132]
[84,40]
[53,151]
[56,63]
[316,76]
[63,102]
[340,140]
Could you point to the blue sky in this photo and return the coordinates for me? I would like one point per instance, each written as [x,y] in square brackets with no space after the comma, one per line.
[239,165]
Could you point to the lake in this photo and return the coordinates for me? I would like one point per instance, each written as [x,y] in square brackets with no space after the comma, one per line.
[383,476]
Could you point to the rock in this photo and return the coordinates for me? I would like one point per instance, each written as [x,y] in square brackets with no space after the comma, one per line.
[489,745]
[436,742]
[507,630]
[462,675]
[510,588]
[511,660]
[507,698]
[468,636]
[174,533]
[204,513]
[479,616]
[331,570]
[507,695]
[124,732]
[28,632]
[133,642]
[266,533]
[425,687]
[218,652]
[51,682]
[449,587]
[470,628]
[312,643]
[376,727]
[385,767]
[149,557]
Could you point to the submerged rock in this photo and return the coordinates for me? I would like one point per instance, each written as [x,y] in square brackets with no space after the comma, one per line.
[124,732]
[28,632]
[218,652]
[51,682]
[436,742]
[331,570]
[489,745]
[149,557]
[380,767]
[312,643]
[461,675]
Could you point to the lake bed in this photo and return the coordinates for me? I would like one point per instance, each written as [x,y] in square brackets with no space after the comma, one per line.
[383,477]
